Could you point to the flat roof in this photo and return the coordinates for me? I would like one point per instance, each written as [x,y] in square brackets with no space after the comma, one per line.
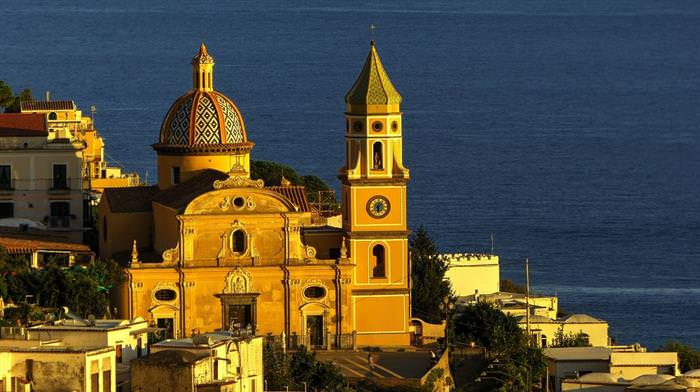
[578,353]
[80,325]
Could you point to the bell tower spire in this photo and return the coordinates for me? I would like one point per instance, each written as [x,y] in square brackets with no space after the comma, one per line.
[203,70]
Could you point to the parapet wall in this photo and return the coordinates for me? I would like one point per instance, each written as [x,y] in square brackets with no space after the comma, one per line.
[469,258]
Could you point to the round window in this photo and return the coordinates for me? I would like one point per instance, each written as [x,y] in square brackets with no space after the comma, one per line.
[377,126]
[357,126]
[239,202]
[394,126]
[165,295]
[315,292]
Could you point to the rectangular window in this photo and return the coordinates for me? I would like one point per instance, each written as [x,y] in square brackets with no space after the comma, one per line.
[7,210]
[107,380]
[139,350]
[6,177]
[95,382]
[176,175]
[60,176]
[118,350]
[60,214]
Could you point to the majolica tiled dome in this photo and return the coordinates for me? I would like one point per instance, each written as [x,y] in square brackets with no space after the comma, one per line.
[202,116]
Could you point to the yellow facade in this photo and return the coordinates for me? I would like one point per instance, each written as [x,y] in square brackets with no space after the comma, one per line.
[213,249]
[63,119]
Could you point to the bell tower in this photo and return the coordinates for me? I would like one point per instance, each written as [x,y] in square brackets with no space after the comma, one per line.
[374,206]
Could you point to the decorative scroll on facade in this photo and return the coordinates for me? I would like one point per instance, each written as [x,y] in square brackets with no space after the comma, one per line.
[172,255]
[238,181]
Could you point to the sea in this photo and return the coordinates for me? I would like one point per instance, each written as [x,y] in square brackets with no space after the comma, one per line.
[567,131]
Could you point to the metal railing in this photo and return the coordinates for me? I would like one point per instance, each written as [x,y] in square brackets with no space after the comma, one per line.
[294,341]
[39,184]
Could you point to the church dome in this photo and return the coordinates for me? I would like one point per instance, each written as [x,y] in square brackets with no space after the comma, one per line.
[202,117]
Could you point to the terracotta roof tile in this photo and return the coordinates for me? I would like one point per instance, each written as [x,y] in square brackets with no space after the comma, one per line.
[296,194]
[16,241]
[47,105]
[178,196]
[23,124]
[132,199]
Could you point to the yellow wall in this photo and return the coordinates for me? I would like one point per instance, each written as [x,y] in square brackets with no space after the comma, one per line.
[630,365]
[123,229]
[190,165]
[167,235]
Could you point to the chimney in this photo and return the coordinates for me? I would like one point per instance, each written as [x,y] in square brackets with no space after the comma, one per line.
[48,96]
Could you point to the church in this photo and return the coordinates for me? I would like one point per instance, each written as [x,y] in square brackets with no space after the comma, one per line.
[211,248]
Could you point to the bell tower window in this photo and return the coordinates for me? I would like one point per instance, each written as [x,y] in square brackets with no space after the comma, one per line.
[238,242]
[379,269]
[378,159]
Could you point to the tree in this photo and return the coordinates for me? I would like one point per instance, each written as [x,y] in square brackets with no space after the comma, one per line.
[508,286]
[429,286]
[514,362]
[299,368]
[272,173]
[85,290]
[579,339]
[688,356]
[10,101]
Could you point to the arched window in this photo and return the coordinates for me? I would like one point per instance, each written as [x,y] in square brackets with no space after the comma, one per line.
[379,269]
[202,80]
[543,340]
[238,242]
[378,159]
[53,116]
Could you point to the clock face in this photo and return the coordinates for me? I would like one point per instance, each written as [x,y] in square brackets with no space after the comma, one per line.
[378,206]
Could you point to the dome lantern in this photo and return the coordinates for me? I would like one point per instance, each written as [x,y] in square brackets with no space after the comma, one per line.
[203,70]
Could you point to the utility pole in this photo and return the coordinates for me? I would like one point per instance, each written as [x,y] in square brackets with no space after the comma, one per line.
[527,320]
[527,301]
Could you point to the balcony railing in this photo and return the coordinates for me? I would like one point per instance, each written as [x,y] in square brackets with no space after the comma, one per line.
[59,221]
[7,185]
[294,341]
[39,184]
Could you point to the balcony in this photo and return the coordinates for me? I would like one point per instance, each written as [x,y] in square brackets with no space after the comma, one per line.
[57,185]
[51,185]
[59,222]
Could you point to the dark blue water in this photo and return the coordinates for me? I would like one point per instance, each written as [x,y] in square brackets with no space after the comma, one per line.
[568,129]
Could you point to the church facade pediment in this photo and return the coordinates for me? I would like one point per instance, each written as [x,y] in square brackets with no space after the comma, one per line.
[243,200]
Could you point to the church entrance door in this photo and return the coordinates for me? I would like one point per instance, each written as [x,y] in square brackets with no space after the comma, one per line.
[240,316]
[238,312]
[314,327]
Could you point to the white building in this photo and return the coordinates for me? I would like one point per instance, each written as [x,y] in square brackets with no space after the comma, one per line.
[471,273]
